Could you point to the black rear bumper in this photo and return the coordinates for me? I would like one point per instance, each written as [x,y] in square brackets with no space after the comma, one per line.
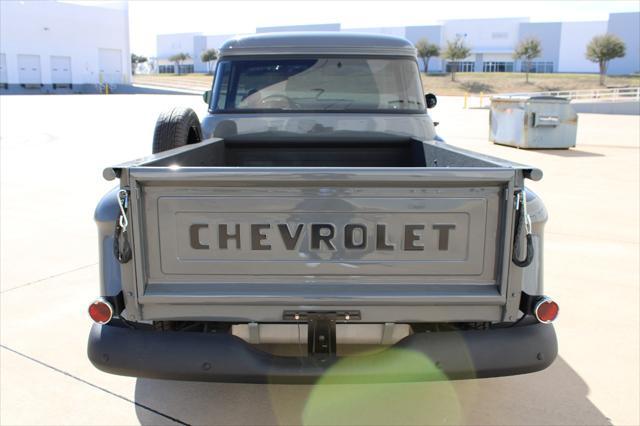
[226,358]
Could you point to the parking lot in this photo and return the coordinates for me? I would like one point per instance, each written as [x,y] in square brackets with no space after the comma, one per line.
[53,150]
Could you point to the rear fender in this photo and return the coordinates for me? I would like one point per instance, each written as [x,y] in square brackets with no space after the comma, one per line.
[533,275]
[106,214]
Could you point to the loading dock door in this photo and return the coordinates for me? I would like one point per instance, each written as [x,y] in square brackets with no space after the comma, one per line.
[29,70]
[4,80]
[61,70]
[110,63]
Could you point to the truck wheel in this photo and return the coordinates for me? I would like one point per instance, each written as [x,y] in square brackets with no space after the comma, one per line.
[176,127]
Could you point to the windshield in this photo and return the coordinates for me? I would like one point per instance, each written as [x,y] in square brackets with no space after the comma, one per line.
[318,84]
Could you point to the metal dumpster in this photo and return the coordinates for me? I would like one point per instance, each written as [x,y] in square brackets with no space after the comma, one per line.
[533,122]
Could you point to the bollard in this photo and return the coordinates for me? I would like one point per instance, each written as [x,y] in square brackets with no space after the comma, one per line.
[466,96]
[106,89]
[481,98]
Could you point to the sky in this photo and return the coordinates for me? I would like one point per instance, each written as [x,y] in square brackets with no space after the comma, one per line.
[149,18]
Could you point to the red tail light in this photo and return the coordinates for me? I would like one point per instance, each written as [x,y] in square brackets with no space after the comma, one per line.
[101,311]
[546,310]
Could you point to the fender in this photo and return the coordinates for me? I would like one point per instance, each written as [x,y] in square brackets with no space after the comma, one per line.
[106,214]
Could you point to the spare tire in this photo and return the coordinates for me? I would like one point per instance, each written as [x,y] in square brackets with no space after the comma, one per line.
[176,127]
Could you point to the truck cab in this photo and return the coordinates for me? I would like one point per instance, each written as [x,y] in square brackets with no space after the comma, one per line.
[318,84]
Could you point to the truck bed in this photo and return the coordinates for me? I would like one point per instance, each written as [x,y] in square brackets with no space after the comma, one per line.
[396,229]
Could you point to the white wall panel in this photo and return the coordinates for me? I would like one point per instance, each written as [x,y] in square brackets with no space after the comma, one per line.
[484,35]
[392,31]
[171,44]
[49,29]
[497,57]
[574,38]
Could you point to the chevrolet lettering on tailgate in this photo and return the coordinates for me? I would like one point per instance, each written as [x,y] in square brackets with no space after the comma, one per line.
[354,236]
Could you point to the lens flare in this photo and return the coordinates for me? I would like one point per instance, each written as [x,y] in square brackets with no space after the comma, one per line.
[397,395]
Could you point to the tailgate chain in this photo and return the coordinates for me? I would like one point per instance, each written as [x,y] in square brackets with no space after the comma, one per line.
[521,212]
[122,252]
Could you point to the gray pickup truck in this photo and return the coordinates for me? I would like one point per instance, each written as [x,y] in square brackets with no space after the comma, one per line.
[313,226]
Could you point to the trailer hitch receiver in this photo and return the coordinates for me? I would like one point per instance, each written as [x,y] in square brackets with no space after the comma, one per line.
[321,334]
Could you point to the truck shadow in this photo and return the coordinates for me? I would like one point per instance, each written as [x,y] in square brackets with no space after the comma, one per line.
[569,153]
[556,396]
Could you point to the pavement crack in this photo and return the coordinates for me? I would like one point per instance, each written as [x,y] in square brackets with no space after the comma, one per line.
[48,278]
[57,370]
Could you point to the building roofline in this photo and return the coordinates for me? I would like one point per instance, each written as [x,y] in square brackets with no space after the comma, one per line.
[180,34]
[514,18]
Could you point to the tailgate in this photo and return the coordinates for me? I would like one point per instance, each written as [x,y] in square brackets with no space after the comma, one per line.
[250,243]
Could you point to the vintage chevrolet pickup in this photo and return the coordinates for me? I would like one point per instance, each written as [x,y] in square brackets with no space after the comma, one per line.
[314,226]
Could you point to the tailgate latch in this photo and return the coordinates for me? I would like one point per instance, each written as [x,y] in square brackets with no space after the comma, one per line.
[522,215]
[122,251]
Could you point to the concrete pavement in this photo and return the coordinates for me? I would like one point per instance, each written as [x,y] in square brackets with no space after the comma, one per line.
[52,152]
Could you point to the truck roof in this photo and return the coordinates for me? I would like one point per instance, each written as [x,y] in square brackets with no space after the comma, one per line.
[325,42]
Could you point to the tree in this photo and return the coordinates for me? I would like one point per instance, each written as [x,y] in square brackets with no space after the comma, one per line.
[208,56]
[603,48]
[135,60]
[527,50]
[427,51]
[178,58]
[455,51]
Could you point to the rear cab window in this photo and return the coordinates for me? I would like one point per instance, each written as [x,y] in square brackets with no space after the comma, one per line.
[318,84]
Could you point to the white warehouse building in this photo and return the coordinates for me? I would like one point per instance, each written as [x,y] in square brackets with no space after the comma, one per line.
[492,43]
[61,47]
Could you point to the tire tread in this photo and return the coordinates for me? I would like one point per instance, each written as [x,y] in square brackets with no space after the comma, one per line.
[172,129]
